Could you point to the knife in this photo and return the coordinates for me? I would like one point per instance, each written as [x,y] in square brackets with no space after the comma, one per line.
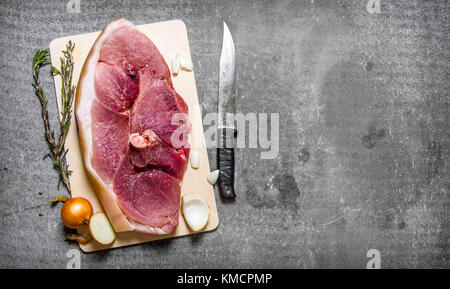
[225,125]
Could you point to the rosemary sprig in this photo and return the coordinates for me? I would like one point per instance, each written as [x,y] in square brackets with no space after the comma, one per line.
[57,152]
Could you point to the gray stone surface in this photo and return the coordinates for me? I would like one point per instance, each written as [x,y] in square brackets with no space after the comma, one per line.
[364,134]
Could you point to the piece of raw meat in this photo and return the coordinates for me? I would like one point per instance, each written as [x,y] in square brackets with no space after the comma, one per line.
[133,130]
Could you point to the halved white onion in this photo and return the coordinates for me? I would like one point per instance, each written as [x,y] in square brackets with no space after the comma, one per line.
[195,159]
[101,230]
[195,211]
[212,177]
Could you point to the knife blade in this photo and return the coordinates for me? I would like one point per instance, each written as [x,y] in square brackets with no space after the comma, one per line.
[225,125]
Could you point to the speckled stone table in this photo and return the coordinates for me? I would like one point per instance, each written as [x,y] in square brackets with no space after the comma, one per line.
[363,104]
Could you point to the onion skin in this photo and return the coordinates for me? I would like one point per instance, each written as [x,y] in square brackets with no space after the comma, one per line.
[76,212]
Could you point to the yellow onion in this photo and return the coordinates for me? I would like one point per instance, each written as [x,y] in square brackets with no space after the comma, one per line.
[76,212]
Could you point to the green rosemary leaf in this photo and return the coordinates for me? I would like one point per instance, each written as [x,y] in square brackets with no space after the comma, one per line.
[54,70]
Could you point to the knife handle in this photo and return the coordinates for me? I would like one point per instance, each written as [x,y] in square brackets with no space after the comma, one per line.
[225,159]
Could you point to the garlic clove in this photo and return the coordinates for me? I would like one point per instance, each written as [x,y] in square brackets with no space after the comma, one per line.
[186,64]
[195,211]
[175,66]
[212,177]
[195,159]
[180,62]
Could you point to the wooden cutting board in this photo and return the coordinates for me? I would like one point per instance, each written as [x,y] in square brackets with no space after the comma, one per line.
[171,38]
